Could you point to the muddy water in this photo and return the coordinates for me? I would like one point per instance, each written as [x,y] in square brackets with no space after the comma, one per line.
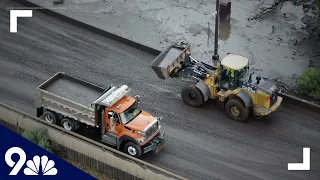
[276,43]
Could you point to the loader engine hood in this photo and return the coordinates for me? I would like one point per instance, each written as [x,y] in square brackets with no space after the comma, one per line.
[266,86]
[263,85]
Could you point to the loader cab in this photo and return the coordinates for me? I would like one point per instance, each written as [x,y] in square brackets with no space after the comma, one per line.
[232,68]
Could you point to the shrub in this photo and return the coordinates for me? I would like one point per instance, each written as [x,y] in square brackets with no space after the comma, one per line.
[41,138]
[309,83]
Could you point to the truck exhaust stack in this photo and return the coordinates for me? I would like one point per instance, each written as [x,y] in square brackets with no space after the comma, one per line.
[169,61]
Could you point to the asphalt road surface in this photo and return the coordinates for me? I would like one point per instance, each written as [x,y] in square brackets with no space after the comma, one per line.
[202,143]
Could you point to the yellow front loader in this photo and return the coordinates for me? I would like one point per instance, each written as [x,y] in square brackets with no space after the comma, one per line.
[238,90]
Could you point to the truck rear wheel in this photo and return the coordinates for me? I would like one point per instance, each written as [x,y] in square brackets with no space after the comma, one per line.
[133,149]
[50,117]
[68,124]
[192,96]
[236,110]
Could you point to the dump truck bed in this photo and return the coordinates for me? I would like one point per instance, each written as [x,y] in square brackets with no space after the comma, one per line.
[73,90]
[70,97]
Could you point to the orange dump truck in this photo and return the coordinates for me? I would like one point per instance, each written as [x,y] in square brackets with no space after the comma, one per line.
[71,103]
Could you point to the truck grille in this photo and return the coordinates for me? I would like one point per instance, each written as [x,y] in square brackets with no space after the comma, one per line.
[153,129]
[274,98]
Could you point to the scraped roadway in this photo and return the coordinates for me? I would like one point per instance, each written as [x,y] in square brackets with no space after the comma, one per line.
[201,143]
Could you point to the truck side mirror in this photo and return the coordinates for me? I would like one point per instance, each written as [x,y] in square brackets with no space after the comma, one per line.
[110,114]
[137,98]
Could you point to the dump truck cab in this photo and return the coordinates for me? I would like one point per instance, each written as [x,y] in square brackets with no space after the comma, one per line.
[127,126]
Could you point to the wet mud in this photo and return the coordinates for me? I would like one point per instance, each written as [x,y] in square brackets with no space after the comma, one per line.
[280,45]
[202,143]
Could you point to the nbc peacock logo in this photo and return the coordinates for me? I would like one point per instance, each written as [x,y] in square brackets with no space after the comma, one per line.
[47,166]
[36,166]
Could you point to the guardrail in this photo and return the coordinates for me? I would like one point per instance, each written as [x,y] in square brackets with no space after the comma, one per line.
[81,146]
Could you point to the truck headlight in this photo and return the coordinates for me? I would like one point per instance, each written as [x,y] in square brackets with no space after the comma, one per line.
[141,140]
[142,133]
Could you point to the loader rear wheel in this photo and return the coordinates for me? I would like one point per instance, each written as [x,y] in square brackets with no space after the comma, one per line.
[236,110]
[192,96]
[50,117]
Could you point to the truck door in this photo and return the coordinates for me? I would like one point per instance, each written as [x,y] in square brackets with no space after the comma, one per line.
[114,125]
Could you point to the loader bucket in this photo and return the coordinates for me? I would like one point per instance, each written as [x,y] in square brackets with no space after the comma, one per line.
[168,61]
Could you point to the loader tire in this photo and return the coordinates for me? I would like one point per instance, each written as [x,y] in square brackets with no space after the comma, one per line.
[192,96]
[235,110]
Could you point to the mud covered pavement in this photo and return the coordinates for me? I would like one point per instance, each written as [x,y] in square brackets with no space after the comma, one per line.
[201,143]
[278,44]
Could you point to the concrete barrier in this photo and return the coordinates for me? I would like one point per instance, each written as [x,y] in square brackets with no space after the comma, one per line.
[85,150]
[300,102]
[96,30]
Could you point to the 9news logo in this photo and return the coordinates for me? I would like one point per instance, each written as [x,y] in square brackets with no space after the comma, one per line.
[33,166]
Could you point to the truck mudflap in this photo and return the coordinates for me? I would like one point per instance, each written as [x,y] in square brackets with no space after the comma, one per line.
[156,144]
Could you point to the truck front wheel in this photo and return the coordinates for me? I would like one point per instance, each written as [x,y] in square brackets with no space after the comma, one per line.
[133,149]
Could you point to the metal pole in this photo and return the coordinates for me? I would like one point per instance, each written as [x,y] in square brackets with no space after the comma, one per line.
[208,33]
[215,57]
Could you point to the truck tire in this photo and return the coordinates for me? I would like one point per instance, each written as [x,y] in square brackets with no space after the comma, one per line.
[133,149]
[50,117]
[236,110]
[68,124]
[192,96]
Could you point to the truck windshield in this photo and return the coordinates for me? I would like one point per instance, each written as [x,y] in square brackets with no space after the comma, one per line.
[129,114]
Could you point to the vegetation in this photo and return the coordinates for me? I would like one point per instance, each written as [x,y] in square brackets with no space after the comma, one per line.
[309,83]
[41,138]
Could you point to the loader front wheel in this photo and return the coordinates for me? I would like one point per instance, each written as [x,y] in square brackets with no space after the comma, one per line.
[192,96]
[236,110]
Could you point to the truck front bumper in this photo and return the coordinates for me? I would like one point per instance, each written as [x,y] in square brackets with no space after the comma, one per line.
[262,111]
[156,144]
